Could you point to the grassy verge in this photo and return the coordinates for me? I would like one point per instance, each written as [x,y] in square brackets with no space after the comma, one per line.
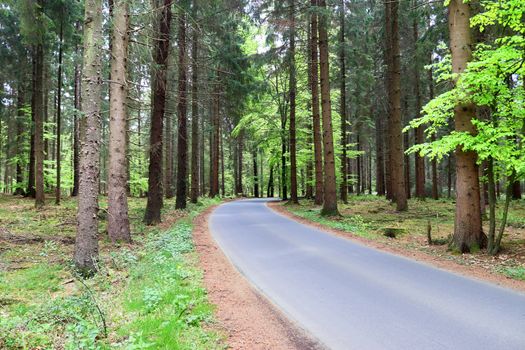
[147,295]
[372,217]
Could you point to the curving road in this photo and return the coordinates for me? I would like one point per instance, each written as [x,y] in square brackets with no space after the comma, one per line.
[350,296]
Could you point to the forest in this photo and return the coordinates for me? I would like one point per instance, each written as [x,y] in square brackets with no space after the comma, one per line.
[122,121]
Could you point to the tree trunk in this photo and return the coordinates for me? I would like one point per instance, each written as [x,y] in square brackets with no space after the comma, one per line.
[380,163]
[468,232]
[255,175]
[118,221]
[435,189]
[330,192]
[76,130]
[38,90]
[86,244]
[240,140]
[270,190]
[344,182]
[30,192]
[293,88]
[155,200]
[19,124]
[419,132]
[194,114]
[516,190]
[182,138]
[284,185]
[59,113]
[214,153]
[316,119]
[221,146]
[397,177]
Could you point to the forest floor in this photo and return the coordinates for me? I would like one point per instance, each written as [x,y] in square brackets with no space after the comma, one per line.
[148,294]
[367,218]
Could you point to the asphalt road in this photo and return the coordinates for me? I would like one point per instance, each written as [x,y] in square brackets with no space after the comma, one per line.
[350,296]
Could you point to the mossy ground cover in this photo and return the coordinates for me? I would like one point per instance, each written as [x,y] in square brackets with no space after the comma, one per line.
[147,295]
[370,217]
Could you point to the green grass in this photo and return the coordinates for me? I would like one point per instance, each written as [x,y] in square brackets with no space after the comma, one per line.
[149,294]
[517,273]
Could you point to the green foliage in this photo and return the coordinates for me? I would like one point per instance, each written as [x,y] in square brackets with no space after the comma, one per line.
[494,81]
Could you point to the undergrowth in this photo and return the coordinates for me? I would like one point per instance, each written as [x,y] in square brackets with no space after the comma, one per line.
[147,295]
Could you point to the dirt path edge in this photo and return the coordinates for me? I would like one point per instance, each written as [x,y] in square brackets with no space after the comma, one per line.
[248,318]
[473,272]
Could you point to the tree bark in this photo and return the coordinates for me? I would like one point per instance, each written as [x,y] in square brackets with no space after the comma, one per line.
[397,177]
[330,192]
[86,244]
[435,189]
[214,152]
[118,221]
[419,131]
[380,163]
[194,193]
[19,125]
[38,90]
[468,232]
[59,114]
[76,129]
[255,175]
[293,88]
[155,200]
[30,191]
[344,183]
[182,137]
[316,119]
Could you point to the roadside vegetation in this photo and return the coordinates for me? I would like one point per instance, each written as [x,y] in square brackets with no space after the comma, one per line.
[375,218]
[147,294]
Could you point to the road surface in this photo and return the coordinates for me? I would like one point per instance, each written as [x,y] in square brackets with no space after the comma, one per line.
[349,296]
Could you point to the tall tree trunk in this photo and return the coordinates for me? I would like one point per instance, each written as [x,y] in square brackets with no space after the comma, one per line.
[221,145]
[38,90]
[182,137]
[194,193]
[30,192]
[293,88]
[214,153]
[284,184]
[76,128]
[168,143]
[419,132]
[330,192]
[435,190]
[19,124]
[155,200]
[59,113]
[397,177]
[240,146]
[118,221]
[202,165]
[255,175]
[344,182]
[380,163]
[388,84]
[270,190]
[316,119]
[86,244]
[468,232]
